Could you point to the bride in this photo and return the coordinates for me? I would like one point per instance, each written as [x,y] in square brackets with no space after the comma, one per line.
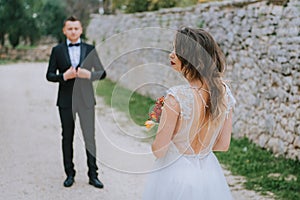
[196,120]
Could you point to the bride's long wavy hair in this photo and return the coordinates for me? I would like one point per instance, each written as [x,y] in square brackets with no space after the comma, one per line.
[202,59]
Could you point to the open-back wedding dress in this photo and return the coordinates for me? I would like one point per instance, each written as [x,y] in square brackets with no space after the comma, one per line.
[183,174]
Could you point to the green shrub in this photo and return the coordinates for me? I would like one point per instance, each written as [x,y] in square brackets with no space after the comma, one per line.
[133,6]
[185,3]
[157,4]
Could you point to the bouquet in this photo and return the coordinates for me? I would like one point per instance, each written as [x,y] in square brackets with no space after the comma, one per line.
[154,115]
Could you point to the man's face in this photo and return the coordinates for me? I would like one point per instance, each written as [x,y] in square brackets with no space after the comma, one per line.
[72,30]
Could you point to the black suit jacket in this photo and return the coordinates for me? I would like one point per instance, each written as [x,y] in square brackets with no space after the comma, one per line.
[69,91]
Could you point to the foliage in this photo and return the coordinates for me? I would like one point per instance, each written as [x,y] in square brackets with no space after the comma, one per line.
[18,20]
[132,6]
[157,4]
[56,11]
[263,171]
[28,20]
[185,3]
[2,20]
[5,61]
[117,4]
[52,17]
[138,105]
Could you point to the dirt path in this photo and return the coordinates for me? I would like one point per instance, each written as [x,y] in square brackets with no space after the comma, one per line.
[30,148]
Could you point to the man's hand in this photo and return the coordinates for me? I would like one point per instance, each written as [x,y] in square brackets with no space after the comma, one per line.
[83,73]
[70,73]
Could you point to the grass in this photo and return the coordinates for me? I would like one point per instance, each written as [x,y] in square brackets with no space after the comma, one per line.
[26,47]
[3,62]
[7,61]
[263,171]
[138,105]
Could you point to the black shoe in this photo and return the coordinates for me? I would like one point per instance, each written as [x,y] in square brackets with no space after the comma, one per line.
[69,181]
[96,182]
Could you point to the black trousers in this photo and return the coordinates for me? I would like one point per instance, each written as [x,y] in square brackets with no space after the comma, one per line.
[87,123]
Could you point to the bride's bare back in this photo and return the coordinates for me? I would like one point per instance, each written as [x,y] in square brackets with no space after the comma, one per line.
[193,130]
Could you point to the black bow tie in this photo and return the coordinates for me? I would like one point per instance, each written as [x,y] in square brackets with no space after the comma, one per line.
[76,44]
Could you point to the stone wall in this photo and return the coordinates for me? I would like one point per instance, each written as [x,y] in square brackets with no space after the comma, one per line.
[262,45]
[40,53]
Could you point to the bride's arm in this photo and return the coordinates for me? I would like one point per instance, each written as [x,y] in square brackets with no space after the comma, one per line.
[223,140]
[166,127]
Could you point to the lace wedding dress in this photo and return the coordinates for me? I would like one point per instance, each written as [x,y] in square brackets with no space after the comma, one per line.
[183,174]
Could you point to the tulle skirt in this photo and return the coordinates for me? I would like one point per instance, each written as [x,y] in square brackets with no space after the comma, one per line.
[187,177]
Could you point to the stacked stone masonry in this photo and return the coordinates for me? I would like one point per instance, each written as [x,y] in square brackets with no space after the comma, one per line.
[261,42]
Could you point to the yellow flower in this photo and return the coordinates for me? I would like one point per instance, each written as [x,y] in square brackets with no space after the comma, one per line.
[153,116]
[149,124]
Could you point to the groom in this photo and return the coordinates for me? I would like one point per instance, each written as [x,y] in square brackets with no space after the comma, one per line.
[74,65]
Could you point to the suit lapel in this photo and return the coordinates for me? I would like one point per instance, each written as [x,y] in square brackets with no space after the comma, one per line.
[66,54]
[82,53]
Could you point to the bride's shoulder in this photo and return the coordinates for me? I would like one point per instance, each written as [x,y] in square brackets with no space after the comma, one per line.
[227,89]
[179,96]
[180,93]
[177,89]
[230,97]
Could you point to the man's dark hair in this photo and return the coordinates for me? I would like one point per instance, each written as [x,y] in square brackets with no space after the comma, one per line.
[72,19]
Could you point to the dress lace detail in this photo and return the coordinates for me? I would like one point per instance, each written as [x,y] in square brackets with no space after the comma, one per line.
[184,98]
[231,100]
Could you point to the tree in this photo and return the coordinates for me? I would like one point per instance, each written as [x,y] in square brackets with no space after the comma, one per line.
[2,21]
[54,13]
[28,20]
[18,21]
[14,14]
[32,31]
[52,17]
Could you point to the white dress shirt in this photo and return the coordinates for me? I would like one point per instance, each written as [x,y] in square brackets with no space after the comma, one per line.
[74,53]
